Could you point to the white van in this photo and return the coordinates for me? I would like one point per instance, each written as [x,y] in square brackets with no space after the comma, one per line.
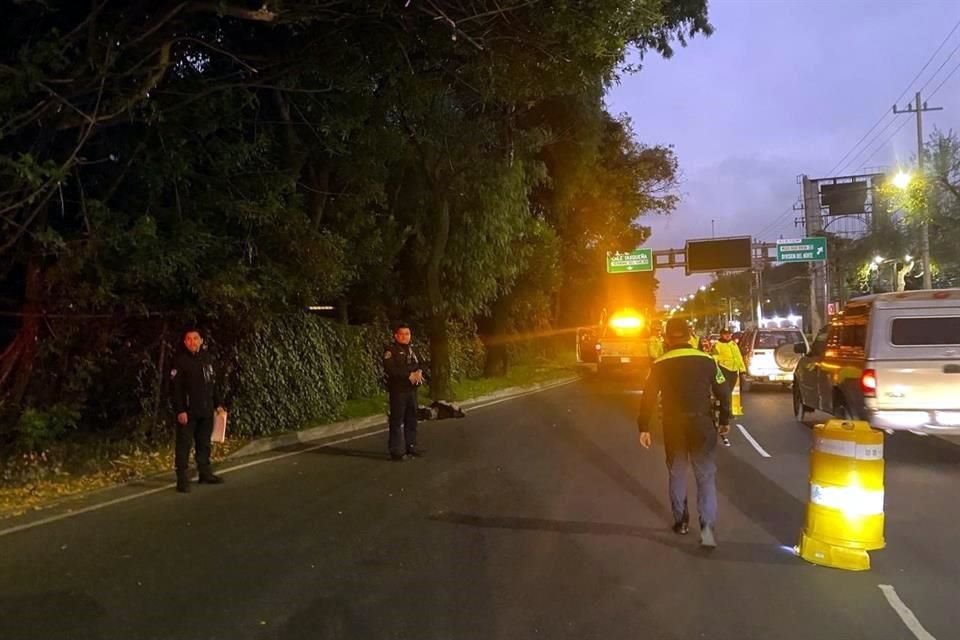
[892,359]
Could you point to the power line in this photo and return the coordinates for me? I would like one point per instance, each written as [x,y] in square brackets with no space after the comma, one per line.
[840,165]
[903,123]
[853,160]
[942,65]
[776,222]
[944,81]
[847,160]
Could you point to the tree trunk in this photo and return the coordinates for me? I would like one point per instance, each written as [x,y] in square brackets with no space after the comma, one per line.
[17,362]
[496,364]
[320,183]
[155,421]
[440,388]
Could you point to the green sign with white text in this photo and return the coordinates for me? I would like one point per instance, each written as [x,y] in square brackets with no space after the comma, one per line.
[805,250]
[630,262]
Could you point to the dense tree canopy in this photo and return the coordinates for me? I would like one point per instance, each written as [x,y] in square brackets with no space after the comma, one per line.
[179,160]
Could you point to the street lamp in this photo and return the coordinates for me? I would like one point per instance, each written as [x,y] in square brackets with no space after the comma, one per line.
[901,181]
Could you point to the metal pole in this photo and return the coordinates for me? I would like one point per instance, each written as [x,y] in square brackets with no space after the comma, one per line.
[924,226]
[918,108]
[826,291]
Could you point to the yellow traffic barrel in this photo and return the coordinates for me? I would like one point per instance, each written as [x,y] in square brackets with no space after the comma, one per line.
[845,509]
[736,404]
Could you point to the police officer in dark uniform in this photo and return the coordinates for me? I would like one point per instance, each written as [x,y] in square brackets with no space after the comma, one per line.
[404,375]
[684,379]
[196,396]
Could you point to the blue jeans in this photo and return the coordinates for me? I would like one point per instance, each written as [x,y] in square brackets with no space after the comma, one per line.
[692,441]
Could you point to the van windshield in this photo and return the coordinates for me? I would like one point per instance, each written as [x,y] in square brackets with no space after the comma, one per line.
[908,332]
[774,339]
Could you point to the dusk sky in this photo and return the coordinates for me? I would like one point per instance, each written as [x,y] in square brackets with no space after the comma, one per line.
[785,87]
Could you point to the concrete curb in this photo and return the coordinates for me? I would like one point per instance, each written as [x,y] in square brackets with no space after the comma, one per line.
[324,431]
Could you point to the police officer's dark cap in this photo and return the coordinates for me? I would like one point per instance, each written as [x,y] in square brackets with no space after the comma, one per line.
[677,328]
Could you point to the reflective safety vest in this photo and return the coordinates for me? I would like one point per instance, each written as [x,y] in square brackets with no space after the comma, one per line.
[656,347]
[728,356]
[684,352]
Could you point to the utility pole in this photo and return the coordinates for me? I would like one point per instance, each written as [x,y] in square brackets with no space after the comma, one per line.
[813,225]
[918,109]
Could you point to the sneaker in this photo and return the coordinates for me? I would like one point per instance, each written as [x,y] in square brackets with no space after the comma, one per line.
[707,539]
[681,528]
[725,440]
[209,478]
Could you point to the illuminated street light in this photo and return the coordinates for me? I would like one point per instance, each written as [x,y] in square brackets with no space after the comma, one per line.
[877,260]
[908,258]
[703,287]
[902,180]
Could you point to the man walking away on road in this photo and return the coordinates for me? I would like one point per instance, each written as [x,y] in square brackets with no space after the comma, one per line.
[404,375]
[727,354]
[196,395]
[684,379]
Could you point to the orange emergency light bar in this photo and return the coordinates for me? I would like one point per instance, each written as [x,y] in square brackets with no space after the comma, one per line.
[626,320]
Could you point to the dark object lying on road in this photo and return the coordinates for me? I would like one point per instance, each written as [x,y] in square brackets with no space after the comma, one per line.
[439,411]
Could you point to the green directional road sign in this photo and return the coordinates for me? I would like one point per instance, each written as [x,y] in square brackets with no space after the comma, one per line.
[805,250]
[630,262]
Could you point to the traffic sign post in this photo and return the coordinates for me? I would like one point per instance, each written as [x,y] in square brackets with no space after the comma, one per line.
[805,250]
[630,262]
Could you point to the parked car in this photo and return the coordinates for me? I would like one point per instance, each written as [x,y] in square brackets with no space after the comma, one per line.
[891,359]
[770,356]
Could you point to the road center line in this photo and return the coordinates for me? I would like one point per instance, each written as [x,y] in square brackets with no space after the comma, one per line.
[245,465]
[905,613]
[750,439]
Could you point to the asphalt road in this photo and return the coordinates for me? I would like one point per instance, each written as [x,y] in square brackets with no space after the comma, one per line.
[538,517]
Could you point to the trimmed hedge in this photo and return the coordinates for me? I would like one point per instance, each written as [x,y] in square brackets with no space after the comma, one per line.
[300,370]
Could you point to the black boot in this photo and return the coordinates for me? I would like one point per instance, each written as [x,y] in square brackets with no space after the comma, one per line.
[183,484]
[207,477]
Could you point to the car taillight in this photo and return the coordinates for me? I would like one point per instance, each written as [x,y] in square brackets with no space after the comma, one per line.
[868,383]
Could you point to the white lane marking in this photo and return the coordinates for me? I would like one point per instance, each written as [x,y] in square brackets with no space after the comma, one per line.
[246,465]
[171,485]
[756,445]
[905,613]
[521,395]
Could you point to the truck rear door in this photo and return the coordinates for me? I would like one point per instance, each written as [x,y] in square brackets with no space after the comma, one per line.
[917,361]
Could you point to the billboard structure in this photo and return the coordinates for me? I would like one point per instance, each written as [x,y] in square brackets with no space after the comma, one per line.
[844,198]
[719,254]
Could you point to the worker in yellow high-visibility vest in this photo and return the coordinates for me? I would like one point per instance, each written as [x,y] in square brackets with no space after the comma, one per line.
[656,342]
[727,354]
